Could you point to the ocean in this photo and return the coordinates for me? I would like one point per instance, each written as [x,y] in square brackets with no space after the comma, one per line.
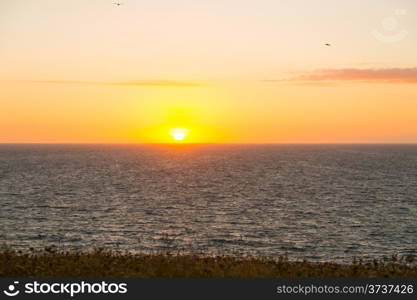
[318,202]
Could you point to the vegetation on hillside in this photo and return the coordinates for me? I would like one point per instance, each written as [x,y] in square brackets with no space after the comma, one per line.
[101,263]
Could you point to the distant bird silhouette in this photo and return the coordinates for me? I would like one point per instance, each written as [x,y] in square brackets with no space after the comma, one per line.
[117,3]
[327,44]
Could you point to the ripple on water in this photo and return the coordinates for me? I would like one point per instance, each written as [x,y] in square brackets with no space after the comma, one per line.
[317,202]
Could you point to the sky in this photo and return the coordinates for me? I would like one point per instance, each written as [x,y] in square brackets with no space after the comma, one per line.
[226,71]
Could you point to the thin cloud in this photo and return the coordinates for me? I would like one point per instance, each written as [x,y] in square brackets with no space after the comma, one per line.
[393,75]
[138,83]
[161,83]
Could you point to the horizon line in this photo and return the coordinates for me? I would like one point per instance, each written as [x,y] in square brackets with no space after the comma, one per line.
[208,143]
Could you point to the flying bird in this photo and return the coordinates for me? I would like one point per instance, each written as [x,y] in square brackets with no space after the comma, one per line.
[327,44]
[117,3]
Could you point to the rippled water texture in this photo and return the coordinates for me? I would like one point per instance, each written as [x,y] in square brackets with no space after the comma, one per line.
[316,202]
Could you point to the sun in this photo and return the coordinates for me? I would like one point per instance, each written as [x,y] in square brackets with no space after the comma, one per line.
[179,134]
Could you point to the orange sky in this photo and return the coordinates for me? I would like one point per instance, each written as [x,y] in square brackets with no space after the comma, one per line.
[241,72]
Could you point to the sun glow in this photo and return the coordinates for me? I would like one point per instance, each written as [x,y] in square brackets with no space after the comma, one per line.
[179,134]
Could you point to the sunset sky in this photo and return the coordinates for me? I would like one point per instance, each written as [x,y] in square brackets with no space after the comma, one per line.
[226,71]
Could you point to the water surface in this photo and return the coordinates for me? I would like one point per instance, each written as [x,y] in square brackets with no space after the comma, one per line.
[320,202]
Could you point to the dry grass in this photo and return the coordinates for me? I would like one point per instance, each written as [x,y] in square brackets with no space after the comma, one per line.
[100,263]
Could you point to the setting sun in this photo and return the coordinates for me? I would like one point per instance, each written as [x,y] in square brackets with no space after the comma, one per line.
[179,134]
